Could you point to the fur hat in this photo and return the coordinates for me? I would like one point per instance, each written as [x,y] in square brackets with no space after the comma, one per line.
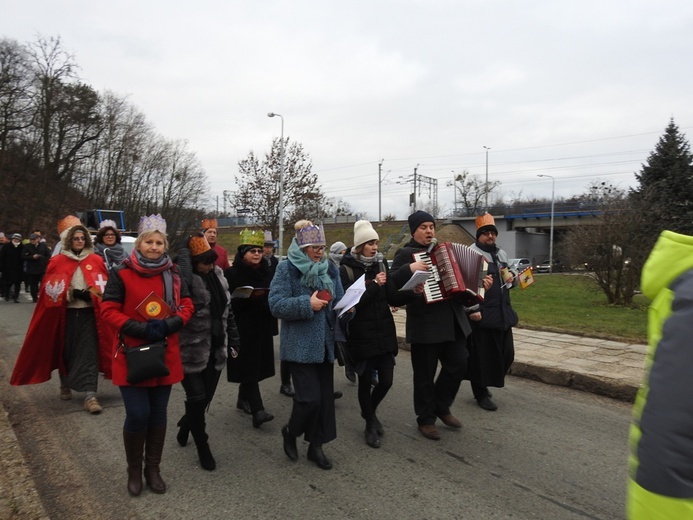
[152,223]
[485,223]
[67,222]
[364,232]
[308,234]
[209,223]
[417,218]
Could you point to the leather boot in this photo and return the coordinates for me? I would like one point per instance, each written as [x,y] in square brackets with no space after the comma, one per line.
[134,449]
[183,431]
[195,412]
[371,434]
[153,448]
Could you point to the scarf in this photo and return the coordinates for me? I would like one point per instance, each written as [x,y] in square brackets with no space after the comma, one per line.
[313,274]
[365,260]
[148,268]
[112,255]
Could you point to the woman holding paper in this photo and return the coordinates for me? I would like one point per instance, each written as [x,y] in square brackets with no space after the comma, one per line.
[372,337]
[256,325]
[148,274]
[302,293]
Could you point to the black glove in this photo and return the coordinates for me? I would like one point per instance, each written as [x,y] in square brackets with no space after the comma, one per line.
[134,328]
[173,324]
[79,294]
[156,330]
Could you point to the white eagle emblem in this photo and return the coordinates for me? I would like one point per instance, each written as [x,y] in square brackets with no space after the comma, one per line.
[54,290]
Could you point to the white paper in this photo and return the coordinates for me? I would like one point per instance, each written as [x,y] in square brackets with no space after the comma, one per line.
[417,277]
[352,295]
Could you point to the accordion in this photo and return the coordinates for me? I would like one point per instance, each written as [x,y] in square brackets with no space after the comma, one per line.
[457,272]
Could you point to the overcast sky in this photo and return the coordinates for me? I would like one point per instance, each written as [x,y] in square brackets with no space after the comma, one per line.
[580,90]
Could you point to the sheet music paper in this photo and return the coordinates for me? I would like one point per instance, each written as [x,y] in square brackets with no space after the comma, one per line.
[352,295]
[417,277]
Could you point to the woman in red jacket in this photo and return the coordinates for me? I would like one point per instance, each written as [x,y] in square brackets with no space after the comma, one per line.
[148,269]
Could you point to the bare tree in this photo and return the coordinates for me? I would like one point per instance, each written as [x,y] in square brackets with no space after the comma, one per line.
[470,194]
[258,186]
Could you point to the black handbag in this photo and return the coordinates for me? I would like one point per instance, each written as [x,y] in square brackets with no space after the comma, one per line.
[145,361]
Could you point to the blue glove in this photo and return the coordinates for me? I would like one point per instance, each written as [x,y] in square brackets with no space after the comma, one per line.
[156,330]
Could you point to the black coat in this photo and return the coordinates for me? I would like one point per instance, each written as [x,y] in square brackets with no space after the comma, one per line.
[12,263]
[372,330]
[427,322]
[36,266]
[256,325]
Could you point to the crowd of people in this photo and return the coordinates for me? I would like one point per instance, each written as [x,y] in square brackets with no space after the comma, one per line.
[96,305]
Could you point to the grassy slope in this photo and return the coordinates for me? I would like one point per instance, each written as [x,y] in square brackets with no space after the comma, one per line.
[560,302]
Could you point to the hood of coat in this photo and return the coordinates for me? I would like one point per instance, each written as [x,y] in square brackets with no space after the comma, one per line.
[670,257]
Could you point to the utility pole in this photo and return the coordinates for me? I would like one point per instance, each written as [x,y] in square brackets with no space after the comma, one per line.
[380,190]
[486,185]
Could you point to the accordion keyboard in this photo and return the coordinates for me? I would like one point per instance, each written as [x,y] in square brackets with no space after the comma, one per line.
[432,290]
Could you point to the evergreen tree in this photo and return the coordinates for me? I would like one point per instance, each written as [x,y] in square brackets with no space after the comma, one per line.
[665,192]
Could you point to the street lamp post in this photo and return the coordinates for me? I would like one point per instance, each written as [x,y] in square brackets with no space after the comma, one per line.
[486,185]
[281,189]
[553,185]
[380,190]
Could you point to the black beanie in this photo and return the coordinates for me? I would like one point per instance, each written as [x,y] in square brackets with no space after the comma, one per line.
[419,217]
[483,229]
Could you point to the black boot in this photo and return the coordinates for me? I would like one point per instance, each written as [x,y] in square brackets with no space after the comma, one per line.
[195,412]
[316,455]
[261,417]
[371,434]
[184,431]
[289,443]
[134,449]
[153,448]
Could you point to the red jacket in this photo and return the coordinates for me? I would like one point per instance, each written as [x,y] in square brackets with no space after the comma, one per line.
[125,292]
[222,257]
[42,351]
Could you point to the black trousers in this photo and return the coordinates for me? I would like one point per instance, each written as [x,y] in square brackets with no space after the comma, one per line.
[313,412]
[434,396]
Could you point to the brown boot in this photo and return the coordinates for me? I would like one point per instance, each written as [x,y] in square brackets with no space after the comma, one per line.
[153,448]
[134,448]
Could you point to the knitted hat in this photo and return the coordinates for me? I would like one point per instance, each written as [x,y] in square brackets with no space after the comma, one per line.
[17,236]
[308,234]
[152,223]
[485,223]
[209,223]
[337,248]
[252,238]
[67,222]
[419,217]
[363,232]
[2,235]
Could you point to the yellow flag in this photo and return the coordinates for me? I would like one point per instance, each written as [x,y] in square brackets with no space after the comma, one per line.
[526,278]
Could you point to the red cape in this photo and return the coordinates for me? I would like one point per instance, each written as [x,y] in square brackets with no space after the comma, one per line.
[42,351]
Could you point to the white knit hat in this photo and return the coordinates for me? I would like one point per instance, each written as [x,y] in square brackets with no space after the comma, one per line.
[364,232]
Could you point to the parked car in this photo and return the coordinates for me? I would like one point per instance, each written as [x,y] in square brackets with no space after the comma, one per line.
[519,264]
[543,267]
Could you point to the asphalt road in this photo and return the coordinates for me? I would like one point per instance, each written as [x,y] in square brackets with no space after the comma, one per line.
[547,453]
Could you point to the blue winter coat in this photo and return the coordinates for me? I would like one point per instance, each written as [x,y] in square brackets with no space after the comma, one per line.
[306,336]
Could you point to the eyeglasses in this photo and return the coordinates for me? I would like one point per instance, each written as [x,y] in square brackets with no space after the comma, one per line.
[255,251]
[78,239]
[109,235]
[317,249]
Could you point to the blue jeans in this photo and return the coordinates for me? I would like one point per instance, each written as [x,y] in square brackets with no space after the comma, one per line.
[145,406]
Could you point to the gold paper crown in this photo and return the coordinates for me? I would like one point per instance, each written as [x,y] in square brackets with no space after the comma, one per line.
[198,245]
[152,223]
[252,238]
[310,236]
[67,222]
[485,220]
[209,223]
